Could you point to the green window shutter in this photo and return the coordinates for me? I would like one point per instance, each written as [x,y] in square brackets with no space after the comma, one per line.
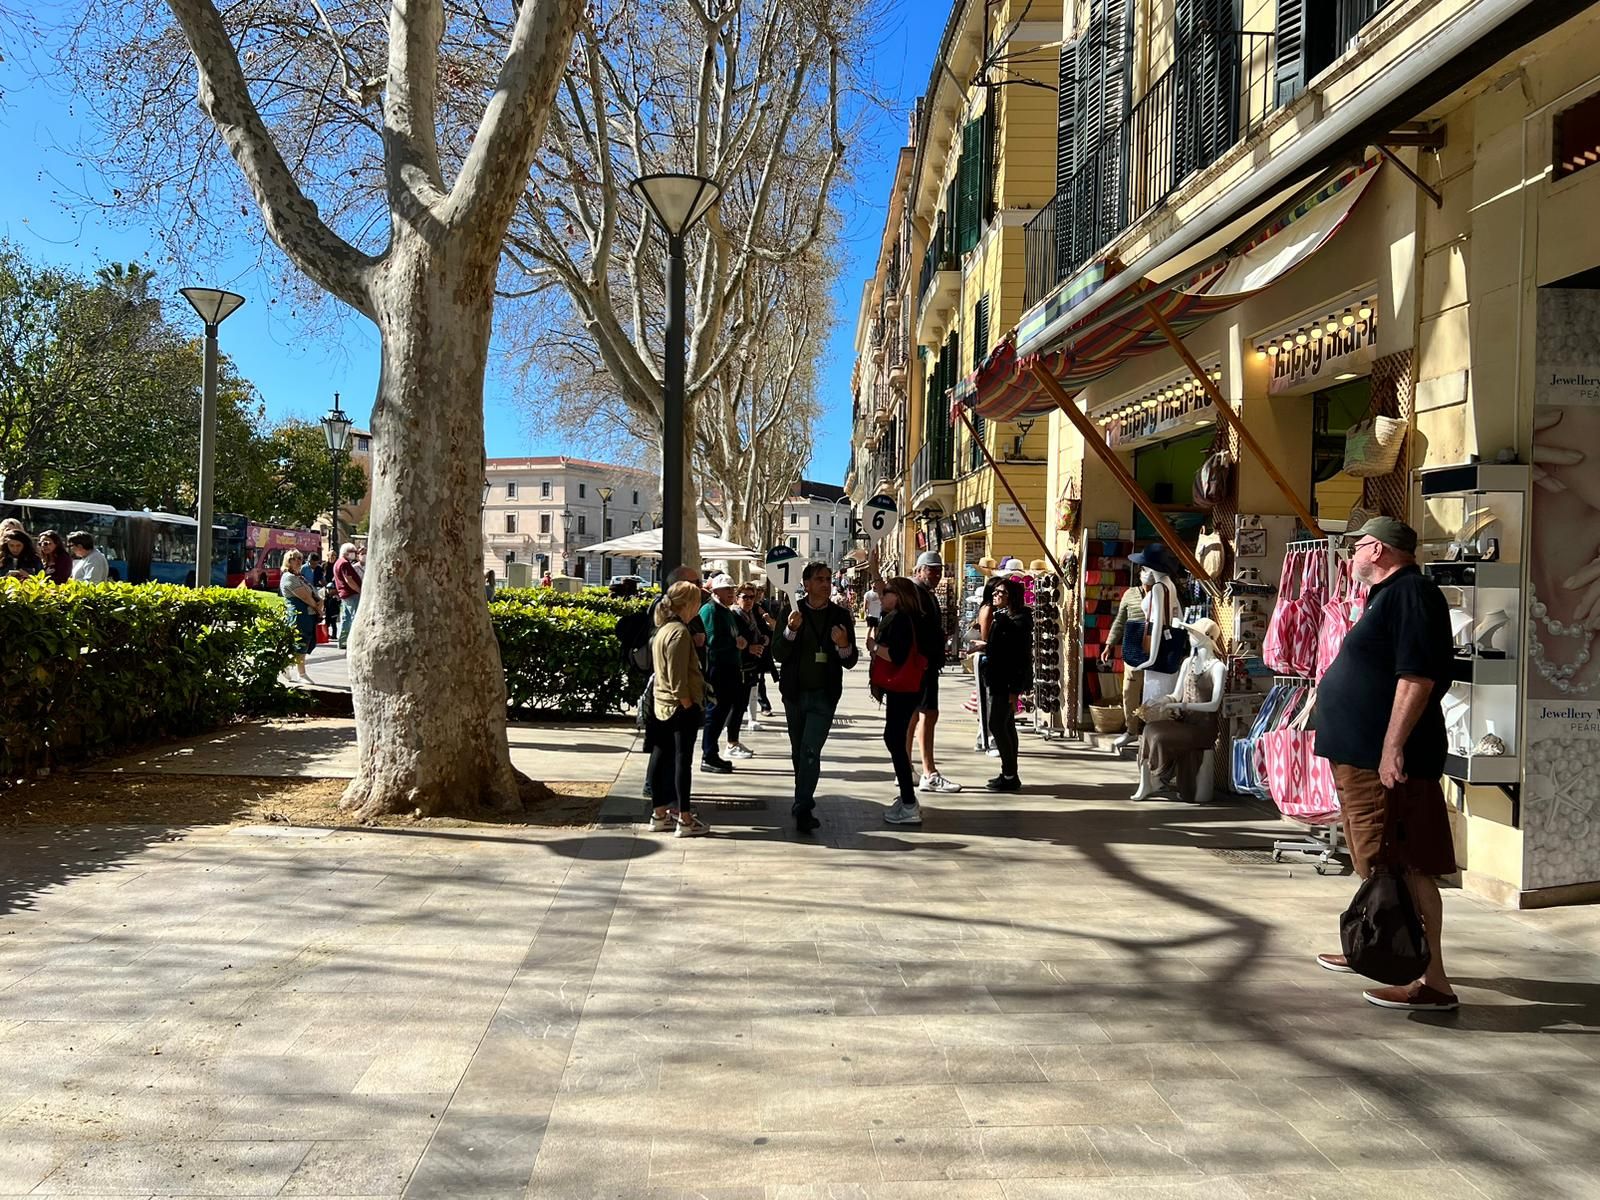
[969,187]
[1289,41]
[980,331]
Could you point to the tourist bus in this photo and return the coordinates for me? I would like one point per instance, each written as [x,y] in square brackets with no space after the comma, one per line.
[140,545]
[251,544]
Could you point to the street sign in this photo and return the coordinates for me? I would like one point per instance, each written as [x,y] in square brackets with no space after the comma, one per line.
[783,567]
[879,518]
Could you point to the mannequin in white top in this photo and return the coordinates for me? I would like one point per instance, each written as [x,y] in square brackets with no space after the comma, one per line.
[1193,702]
[1160,607]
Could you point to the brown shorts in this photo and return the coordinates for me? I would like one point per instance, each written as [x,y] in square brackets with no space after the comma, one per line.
[1403,827]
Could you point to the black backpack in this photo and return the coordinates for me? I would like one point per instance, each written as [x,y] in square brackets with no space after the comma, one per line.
[1381,933]
[635,631]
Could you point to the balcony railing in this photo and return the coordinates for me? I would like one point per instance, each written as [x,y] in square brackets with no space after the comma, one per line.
[1217,92]
[932,465]
[940,257]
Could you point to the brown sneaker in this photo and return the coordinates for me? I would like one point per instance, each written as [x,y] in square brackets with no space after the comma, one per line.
[1413,997]
[1335,962]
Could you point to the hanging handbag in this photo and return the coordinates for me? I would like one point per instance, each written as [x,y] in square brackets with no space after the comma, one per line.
[1291,642]
[1211,552]
[1134,657]
[1169,655]
[1380,932]
[1343,609]
[1214,479]
[1372,446]
[889,676]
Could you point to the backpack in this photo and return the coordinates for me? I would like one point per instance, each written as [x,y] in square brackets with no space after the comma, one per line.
[636,632]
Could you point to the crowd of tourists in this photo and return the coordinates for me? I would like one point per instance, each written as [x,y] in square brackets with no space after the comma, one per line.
[316,592]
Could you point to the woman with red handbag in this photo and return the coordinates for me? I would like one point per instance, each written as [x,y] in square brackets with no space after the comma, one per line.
[899,664]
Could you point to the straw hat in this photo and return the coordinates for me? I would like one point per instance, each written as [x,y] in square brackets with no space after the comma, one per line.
[986,563]
[1038,566]
[1207,631]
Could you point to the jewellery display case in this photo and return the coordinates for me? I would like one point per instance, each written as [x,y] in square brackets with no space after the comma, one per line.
[1471,545]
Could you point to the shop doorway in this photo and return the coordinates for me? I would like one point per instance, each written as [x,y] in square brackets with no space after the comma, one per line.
[1165,471]
[1335,410]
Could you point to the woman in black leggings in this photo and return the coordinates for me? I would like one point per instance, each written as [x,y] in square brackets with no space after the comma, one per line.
[1009,669]
[895,639]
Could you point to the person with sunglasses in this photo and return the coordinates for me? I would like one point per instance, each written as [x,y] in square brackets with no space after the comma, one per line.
[1380,722]
[56,562]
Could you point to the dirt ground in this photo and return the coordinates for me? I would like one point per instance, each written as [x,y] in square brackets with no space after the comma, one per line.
[94,798]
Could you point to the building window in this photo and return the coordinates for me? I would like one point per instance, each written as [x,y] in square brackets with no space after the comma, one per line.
[636,499]
[816,519]
[583,490]
[544,489]
[544,522]
[607,533]
[511,491]
[511,522]
[794,517]
[794,543]
[511,557]
[579,570]
[816,545]
[1577,134]
[583,523]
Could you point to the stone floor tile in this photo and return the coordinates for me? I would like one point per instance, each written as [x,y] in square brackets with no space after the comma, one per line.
[1013,1029]
[1425,1181]
[1532,1182]
[232,1074]
[943,1189]
[1200,1188]
[1239,1147]
[421,1065]
[1261,1098]
[478,1153]
[327,1118]
[178,1168]
[1369,1145]
[719,1157]
[1080,1103]
[1015,1152]
[1065,1064]
[351,1168]
[856,1107]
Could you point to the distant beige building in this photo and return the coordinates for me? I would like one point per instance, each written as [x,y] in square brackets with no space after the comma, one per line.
[545,510]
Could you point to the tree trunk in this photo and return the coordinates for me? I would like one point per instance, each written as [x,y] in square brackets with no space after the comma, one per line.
[425,668]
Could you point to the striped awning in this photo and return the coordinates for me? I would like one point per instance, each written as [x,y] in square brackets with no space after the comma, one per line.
[1003,388]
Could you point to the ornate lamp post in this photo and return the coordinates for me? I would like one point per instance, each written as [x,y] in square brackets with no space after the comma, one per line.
[213,306]
[605,492]
[336,428]
[677,201]
[566,540]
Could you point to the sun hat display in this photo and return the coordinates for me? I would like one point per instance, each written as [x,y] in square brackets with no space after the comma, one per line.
[986,563]
[1157,557]
[1038,566]
[1207,631]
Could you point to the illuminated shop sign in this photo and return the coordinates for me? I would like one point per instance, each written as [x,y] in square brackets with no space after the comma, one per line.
[1331,349]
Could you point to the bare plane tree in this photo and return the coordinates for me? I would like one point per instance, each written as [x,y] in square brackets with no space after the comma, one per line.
[745,92]
[386,151]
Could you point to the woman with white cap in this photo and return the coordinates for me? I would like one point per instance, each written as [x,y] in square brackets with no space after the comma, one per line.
[1180,732]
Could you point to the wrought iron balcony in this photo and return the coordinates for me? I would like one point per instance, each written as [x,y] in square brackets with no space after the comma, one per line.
[1216,93]
[932,465]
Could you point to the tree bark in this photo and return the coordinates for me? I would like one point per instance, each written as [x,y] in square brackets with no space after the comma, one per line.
[430,696]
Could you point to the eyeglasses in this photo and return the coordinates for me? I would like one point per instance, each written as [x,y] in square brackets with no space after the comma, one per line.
[1360,546]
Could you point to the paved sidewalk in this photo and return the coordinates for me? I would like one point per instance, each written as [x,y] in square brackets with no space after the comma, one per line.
[1060,994]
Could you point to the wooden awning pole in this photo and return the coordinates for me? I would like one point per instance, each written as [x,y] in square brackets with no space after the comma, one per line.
[1232,418]
[1006,483]
[1096,441]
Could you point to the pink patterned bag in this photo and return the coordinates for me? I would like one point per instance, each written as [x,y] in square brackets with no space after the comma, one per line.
[1291,642]
[1301,783]
[1343,610]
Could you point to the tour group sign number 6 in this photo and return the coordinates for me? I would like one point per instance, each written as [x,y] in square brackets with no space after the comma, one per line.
[878,517]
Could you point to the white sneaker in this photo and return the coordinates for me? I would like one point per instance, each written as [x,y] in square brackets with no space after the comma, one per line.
[993,751]
[899,813]
[938,783]
[736,750]
[691,826]
[664,824]
[755,726]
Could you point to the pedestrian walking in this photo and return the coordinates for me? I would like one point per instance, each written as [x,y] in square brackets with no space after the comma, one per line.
[981,624]
[660,612]
[757,652]
[817,646]
[725,647]
[19,557]
[1131,608]
[311,572]
[347,587]
[1380,722]
[900,635]
[305,609]
[872,607]
[89,565]
[677,696]
[930,573]
[1008,669]
[54,561]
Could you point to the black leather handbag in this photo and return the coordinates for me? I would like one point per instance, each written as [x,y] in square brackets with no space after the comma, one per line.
[1381,933]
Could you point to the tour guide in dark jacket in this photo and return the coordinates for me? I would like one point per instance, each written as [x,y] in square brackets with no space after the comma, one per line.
[816,646]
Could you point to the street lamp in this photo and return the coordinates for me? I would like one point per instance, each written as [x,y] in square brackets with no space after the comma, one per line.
[833,517]
[336,428]
[677,201]
[566,540]
[212,306]
[605,493]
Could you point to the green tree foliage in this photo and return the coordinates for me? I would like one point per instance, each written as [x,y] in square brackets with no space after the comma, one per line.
[100,401]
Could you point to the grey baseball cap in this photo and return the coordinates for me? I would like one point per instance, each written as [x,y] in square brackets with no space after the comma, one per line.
[929,558]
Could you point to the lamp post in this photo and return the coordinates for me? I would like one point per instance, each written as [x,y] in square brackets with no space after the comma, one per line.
[605,493]
[336,428]
[677,201]
[833,517]
[566,540]
[213,306]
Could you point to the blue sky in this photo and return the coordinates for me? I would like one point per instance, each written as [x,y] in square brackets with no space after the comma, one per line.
[297,371]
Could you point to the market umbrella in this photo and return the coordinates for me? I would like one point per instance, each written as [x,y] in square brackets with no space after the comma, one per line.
[647,544]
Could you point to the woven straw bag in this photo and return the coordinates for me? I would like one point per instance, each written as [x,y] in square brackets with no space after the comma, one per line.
[1372,446]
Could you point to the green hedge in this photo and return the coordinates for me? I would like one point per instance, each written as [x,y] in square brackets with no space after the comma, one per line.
[594,599]
[563,659]
[90,669]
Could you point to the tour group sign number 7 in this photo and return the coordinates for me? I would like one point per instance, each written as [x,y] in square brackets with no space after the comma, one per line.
[784,563]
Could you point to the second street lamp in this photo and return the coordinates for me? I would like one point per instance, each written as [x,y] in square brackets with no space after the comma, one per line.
[677,201]
[213,306]
[605,493]
[336,428]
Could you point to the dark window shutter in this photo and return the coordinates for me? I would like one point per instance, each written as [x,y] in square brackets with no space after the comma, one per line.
[980,331]
[987,169]
[969,175]
[1066,116]
[1289,69]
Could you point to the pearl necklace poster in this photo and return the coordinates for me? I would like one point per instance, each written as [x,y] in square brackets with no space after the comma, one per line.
[1561,797]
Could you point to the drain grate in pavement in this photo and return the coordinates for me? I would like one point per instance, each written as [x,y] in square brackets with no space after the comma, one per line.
[733,805]
[1244,856]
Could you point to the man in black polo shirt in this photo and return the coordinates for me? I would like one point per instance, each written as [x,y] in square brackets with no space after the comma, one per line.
[1380,724]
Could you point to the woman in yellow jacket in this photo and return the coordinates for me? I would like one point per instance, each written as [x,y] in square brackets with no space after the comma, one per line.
[676,712]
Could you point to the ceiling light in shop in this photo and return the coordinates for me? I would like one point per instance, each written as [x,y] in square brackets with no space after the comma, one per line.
[1300,339]
[1364,311]
[1332,326]
[1345,375]
[1348,319]
[1273,350]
